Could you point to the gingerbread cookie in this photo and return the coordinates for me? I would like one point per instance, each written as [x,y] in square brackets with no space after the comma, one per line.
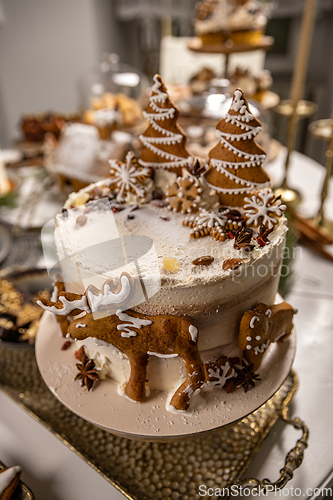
[263,208]
[136,335]
[164,142]
[128,177]
[235,163]
[184,195]
[218,372]
[63,322]
[261,326]
[207,223]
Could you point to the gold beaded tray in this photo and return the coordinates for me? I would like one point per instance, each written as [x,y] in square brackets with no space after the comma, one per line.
[143,470]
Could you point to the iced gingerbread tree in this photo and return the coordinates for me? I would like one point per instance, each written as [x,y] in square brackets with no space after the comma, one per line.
[235,163]
[164,142]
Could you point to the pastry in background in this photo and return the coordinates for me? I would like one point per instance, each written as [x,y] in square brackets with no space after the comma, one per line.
[201,81]
[254,86]
[36,126]
[240,21]
[81,157]
[111,112]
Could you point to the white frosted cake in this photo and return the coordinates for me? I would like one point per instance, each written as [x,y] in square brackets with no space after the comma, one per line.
[164,287]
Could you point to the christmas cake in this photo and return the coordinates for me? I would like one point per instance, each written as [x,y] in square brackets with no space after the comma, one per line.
[173,287]
[9,479]
[235,21]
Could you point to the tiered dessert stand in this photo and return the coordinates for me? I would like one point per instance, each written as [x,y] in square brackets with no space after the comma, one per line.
[227,48]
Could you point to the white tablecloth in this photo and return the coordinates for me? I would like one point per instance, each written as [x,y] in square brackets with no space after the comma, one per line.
[54,472]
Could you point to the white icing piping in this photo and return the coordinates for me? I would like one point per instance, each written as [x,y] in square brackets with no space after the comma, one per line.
[162,140]
[238,191]
[255,318]
[80,325]
[146,142]
[232,164]
[132,323]
[171,164]
[238,120]
[241,154]
[162,355]
[233,177]
[68,306]
[220,374]
[150,118]
[126,177]
[237,137]
[107,298]
[259,206]
[238,105]
[162,115]
[193,332]
[261,348]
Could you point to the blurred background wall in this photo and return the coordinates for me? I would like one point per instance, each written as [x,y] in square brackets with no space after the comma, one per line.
[47,46]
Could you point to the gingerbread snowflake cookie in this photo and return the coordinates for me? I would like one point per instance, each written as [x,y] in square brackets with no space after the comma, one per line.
[128,177]
[218,372]
[207,223]
[184,195]
[263,208]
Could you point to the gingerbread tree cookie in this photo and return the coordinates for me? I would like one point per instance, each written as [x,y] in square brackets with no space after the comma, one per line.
[164,142]
[235,163]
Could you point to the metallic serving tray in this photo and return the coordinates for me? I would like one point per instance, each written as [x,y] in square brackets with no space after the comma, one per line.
[144,470]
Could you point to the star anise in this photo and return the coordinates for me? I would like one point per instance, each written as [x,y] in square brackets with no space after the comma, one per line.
[264,232]
[245,375]
[87,372]
[243,239]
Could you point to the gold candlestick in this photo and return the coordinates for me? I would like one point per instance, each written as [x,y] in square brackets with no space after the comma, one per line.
[323,129]
[288,194]
[303,110]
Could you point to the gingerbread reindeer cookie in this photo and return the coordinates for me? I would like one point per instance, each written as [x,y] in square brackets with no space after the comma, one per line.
[136,335]
[261,326]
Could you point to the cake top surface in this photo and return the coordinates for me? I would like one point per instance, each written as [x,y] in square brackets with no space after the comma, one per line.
[171,240]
